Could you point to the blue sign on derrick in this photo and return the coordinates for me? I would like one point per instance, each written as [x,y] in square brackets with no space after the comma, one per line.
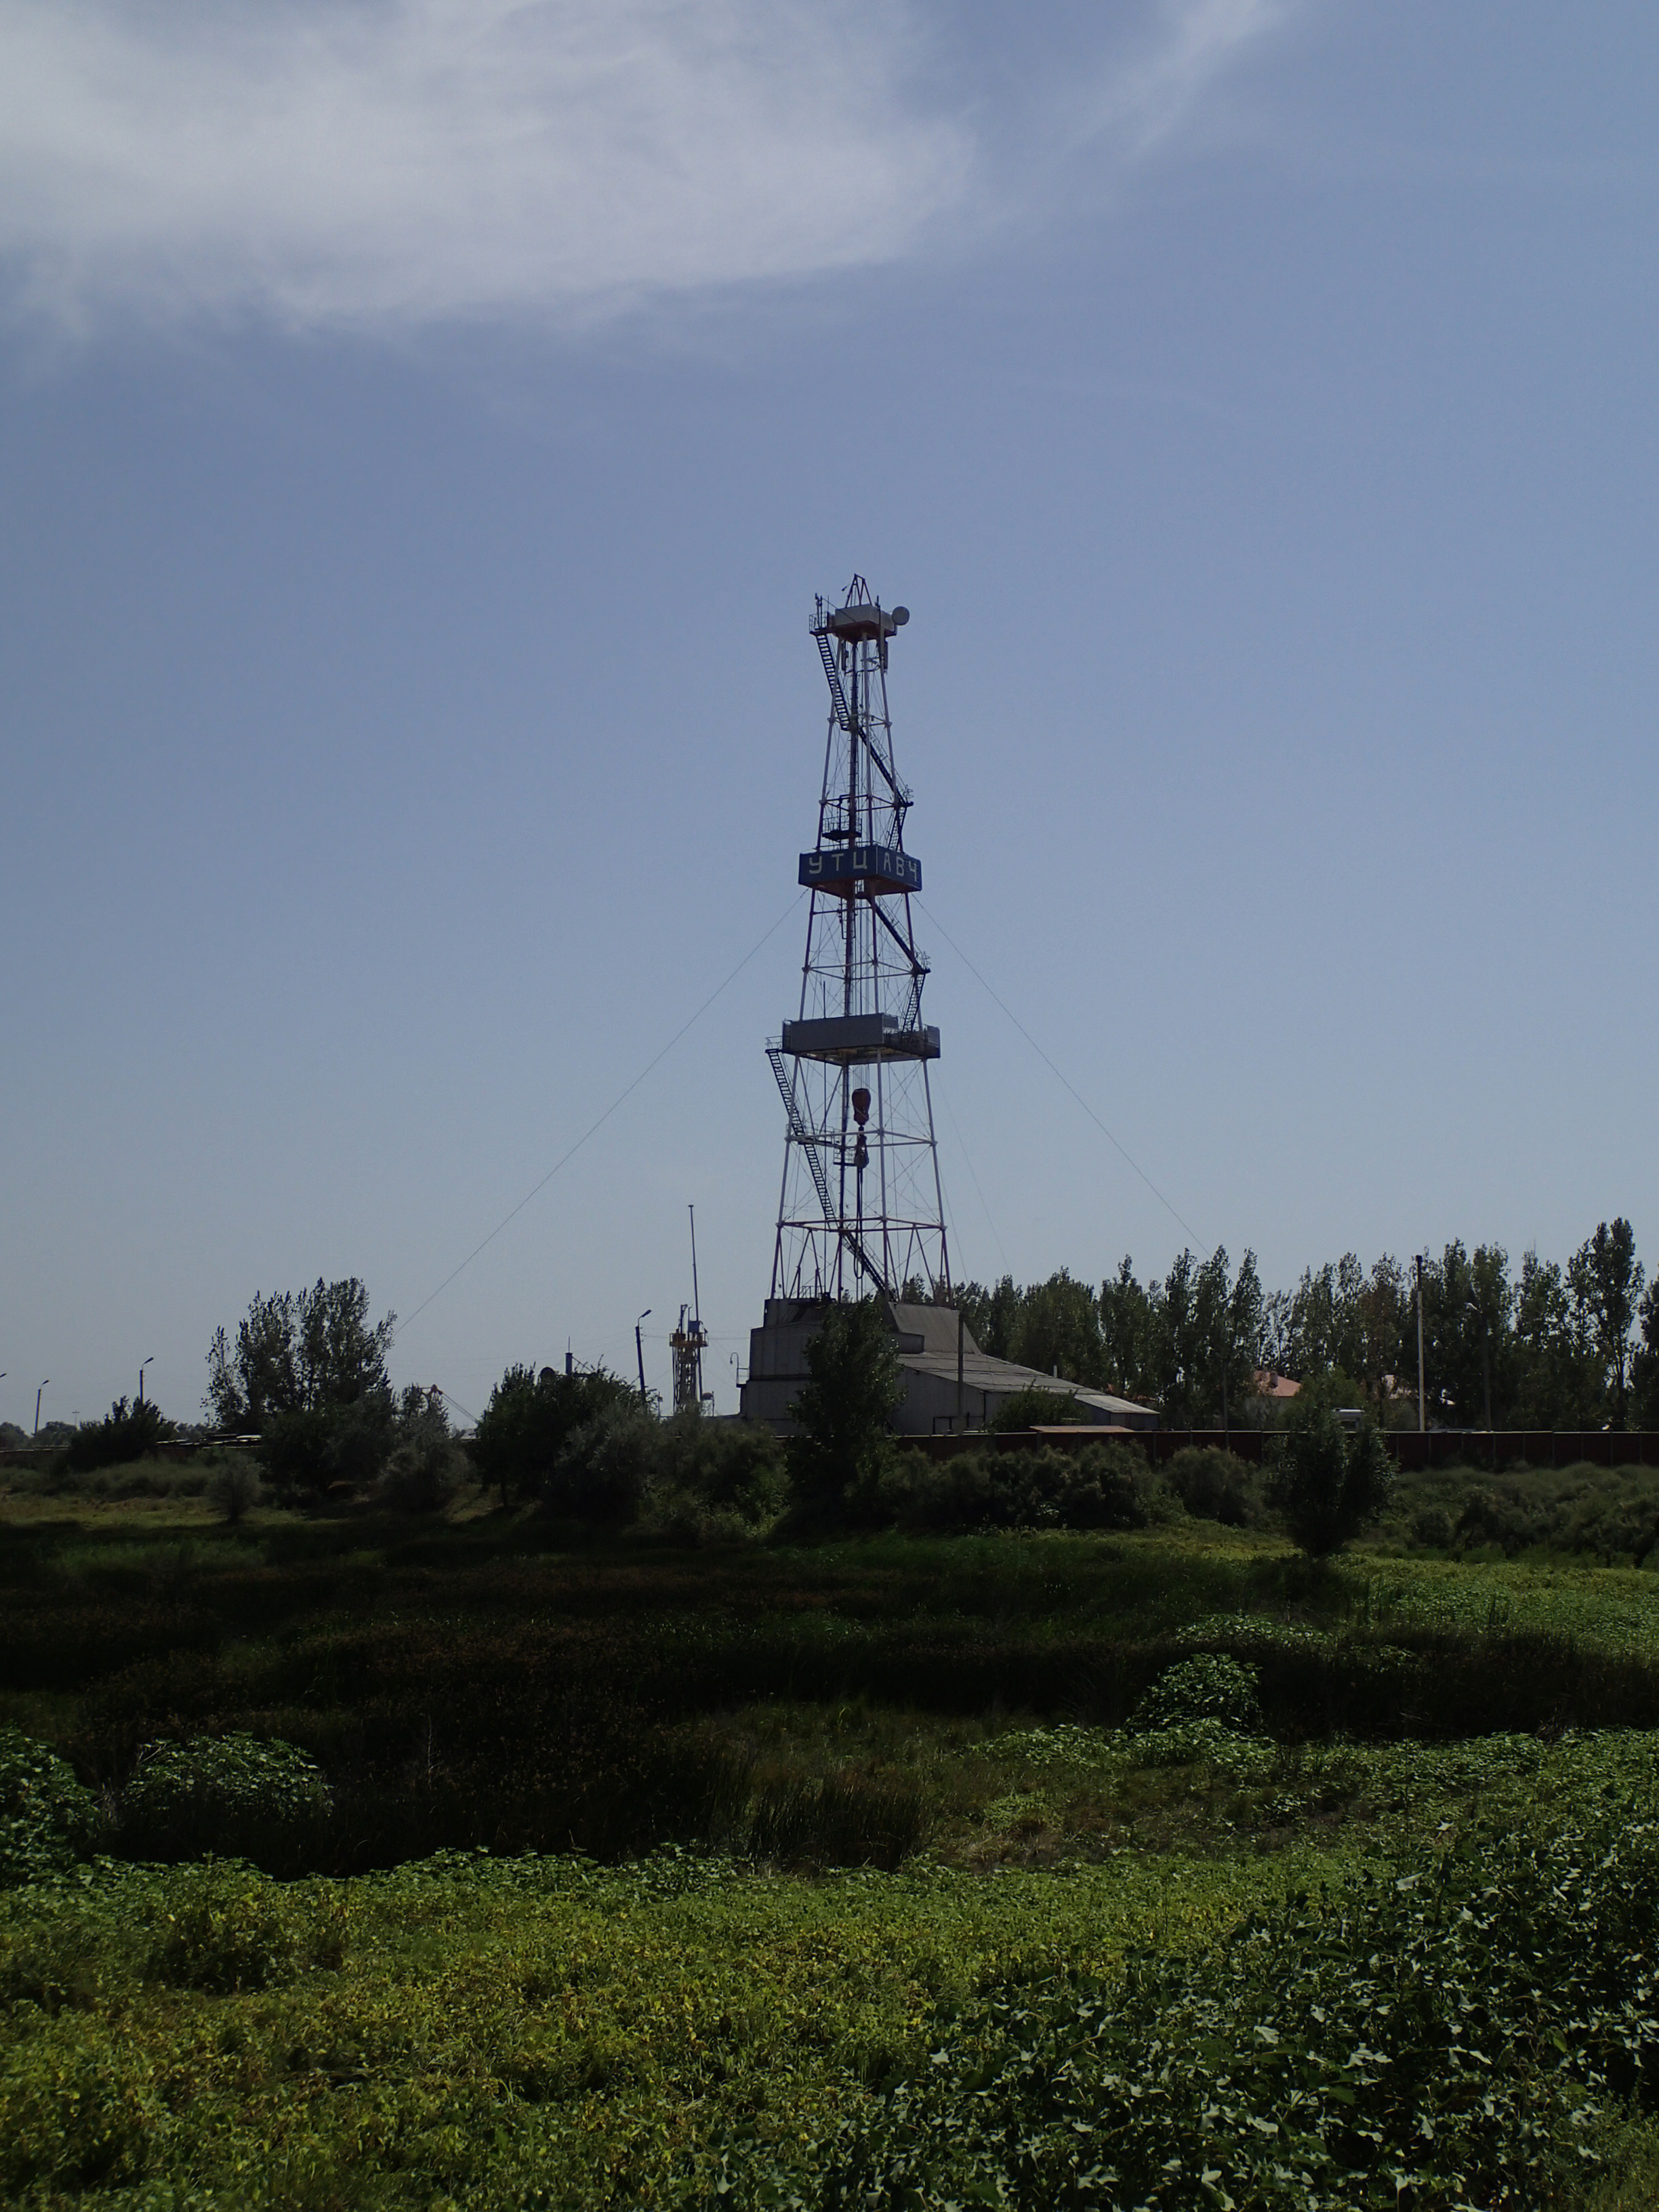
[880,868]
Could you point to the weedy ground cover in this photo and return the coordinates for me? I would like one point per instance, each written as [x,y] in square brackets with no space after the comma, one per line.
[805,1846]
[482,2029]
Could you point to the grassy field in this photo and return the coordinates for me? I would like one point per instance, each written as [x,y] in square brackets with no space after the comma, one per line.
[844,1874]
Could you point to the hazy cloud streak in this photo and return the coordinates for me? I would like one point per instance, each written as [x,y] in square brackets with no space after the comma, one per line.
[387,163]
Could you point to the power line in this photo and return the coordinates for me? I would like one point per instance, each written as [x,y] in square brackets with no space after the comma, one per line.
[566,1157]
[944,1100]
[1054,1070]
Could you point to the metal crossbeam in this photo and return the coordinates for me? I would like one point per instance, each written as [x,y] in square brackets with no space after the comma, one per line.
[814,1143]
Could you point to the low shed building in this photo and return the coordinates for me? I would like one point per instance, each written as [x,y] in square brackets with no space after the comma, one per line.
[950,1385]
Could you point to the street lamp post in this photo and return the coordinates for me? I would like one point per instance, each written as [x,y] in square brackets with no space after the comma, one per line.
[143,1364]
[1422,1400]
[37,1407]
[639,1353]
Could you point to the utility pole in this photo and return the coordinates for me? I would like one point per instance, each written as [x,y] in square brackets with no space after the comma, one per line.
[1422,1415]
[37,1407]
[141,1377]
[962,1334]
[639,1353]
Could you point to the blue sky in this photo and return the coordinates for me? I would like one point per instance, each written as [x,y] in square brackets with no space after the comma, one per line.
[422,430]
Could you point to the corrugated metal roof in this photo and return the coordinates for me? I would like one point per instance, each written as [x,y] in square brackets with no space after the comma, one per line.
[980,1371]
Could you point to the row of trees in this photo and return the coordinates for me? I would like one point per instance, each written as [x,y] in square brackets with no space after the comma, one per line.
[1545,1347]
[306,1373]
[1549,1346]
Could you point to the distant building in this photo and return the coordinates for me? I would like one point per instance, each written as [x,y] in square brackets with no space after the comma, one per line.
[950,1385]
[1278,1389]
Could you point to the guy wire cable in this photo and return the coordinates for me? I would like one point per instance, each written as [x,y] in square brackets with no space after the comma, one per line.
[1054,1070]
[566,1157]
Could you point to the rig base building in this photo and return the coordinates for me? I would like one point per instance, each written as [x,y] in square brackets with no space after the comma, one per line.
[950,1385]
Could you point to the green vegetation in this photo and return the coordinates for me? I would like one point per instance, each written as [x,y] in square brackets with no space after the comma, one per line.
[125,1434]
[306,1375]
[475,1856]
[1329,1484]
[1038,1408]
[1550,1346]
[47,1819]
[1100,1486]
[843,1448]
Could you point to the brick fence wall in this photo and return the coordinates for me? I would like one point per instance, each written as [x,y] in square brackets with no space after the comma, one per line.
[1492,1449]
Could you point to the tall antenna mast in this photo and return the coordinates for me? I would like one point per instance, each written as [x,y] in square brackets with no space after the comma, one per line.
[689,1340]
[862,1209]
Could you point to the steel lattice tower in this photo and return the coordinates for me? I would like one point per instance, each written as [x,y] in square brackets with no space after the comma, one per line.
[861,1209]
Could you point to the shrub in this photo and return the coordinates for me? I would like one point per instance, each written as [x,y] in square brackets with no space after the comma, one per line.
[727,1463]
[1207,1743]
[1212,1484]
[233,1489]
[844,1446]
[79,2108]
[1432,1528]
[47,1819]
[731,1472]
[1211,1687]
[1101,1486]
[1040,1407]
[232,1797]
[604,1467]
[426,1465]
[1439,2037]
[314,1447]
[125,1433]
[226,1930]
[1329,1484]
[524,1428]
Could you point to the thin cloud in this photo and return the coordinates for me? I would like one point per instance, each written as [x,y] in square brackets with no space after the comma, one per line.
[1148,100]
[379,164]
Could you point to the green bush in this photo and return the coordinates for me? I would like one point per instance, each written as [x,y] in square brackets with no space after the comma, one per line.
[604,1467]
[313,1448]
[1207,1743]
[233,1489]
[79,2108]
[1329,1483]
[426,1466]
[1100,1486]
[844,1445]
[735,1467]
[1432,1527]
[47,1819]
[1447,2035]
[225,1930]
[125,1433]
[523,1430]
[716,1480]
[1214,1485]
[1040,1407]
[230,1796]
[1210,1687]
